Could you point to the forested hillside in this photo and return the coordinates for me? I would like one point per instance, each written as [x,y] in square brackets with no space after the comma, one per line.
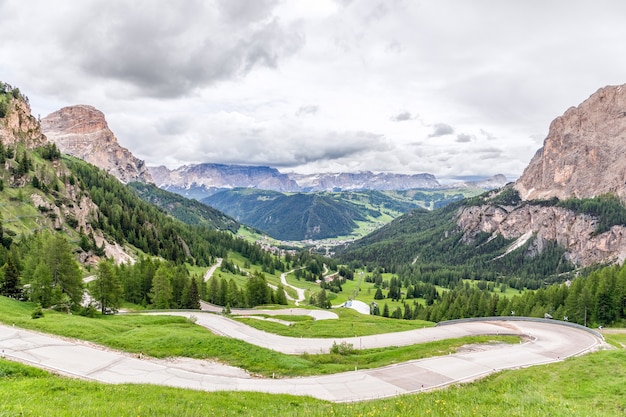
[323,215]
[186,210]
[291,217]
[431,247]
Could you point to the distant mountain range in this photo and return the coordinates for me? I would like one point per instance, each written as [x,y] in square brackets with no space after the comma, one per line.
[202,180]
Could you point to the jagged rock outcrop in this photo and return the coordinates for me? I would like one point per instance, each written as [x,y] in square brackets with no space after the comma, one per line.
[82,131]
[584,154]
[575,233]
[17,123]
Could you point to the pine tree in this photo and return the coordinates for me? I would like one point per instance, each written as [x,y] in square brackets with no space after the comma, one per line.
[193,297]
[107,288]
[280,295]
[11,285]
[161,292]
[65,270]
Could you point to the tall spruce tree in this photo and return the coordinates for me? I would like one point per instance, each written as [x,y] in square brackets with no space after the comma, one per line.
[161,292]
[11,283]
[107,288]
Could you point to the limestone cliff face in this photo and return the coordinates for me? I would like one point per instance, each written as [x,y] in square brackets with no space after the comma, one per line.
[584,154]
[573,232]
[19,125]
[82,131]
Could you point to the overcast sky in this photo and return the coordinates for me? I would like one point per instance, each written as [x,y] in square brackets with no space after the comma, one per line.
[452,88]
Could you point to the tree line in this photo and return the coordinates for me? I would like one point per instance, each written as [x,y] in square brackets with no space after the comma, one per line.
[598,299]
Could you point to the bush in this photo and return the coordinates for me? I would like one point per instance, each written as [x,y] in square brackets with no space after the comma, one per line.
[343,348]
[37,312]
[89,311]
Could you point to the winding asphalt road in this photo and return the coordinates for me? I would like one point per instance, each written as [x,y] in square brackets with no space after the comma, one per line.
[546,342]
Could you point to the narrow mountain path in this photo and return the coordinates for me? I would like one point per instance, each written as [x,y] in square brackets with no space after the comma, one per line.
[299,291]
[211,270]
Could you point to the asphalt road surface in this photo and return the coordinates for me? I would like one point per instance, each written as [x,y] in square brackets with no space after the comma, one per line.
[545,342]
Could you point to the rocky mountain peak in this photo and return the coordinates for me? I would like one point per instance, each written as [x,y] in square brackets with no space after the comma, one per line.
[584,153]
[82,131]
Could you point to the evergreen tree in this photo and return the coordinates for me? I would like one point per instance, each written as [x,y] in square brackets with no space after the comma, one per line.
[213,290]
[258,293]
[408,314]
[52,271]
[281,298]
[65,270]
[193,296]
[379,294]
[161,292]
[107,288]
[41,289]
[11,284]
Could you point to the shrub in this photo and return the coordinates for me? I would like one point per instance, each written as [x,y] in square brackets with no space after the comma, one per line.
[37,312]
[343,348]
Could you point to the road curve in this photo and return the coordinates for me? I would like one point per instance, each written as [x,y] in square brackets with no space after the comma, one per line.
[209,273]
[546,342]
[299,291]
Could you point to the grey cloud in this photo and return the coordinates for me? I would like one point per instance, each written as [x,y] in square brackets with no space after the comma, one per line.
[171,51]
[172,126]
[489,153]
[464,138]
[242,11]
[379,11]
[488,135]
[333,146]
[402,117]
[441,129]
[344,3]
[262,149]
[394,46]
[307,110]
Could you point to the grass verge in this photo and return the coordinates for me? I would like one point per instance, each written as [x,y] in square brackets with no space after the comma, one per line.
[350,324]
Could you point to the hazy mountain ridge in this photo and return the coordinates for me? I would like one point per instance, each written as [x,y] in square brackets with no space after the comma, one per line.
[205,179]
[202,180]
[365,180]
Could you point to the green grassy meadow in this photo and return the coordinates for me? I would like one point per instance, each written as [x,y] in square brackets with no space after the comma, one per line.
[350,323]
